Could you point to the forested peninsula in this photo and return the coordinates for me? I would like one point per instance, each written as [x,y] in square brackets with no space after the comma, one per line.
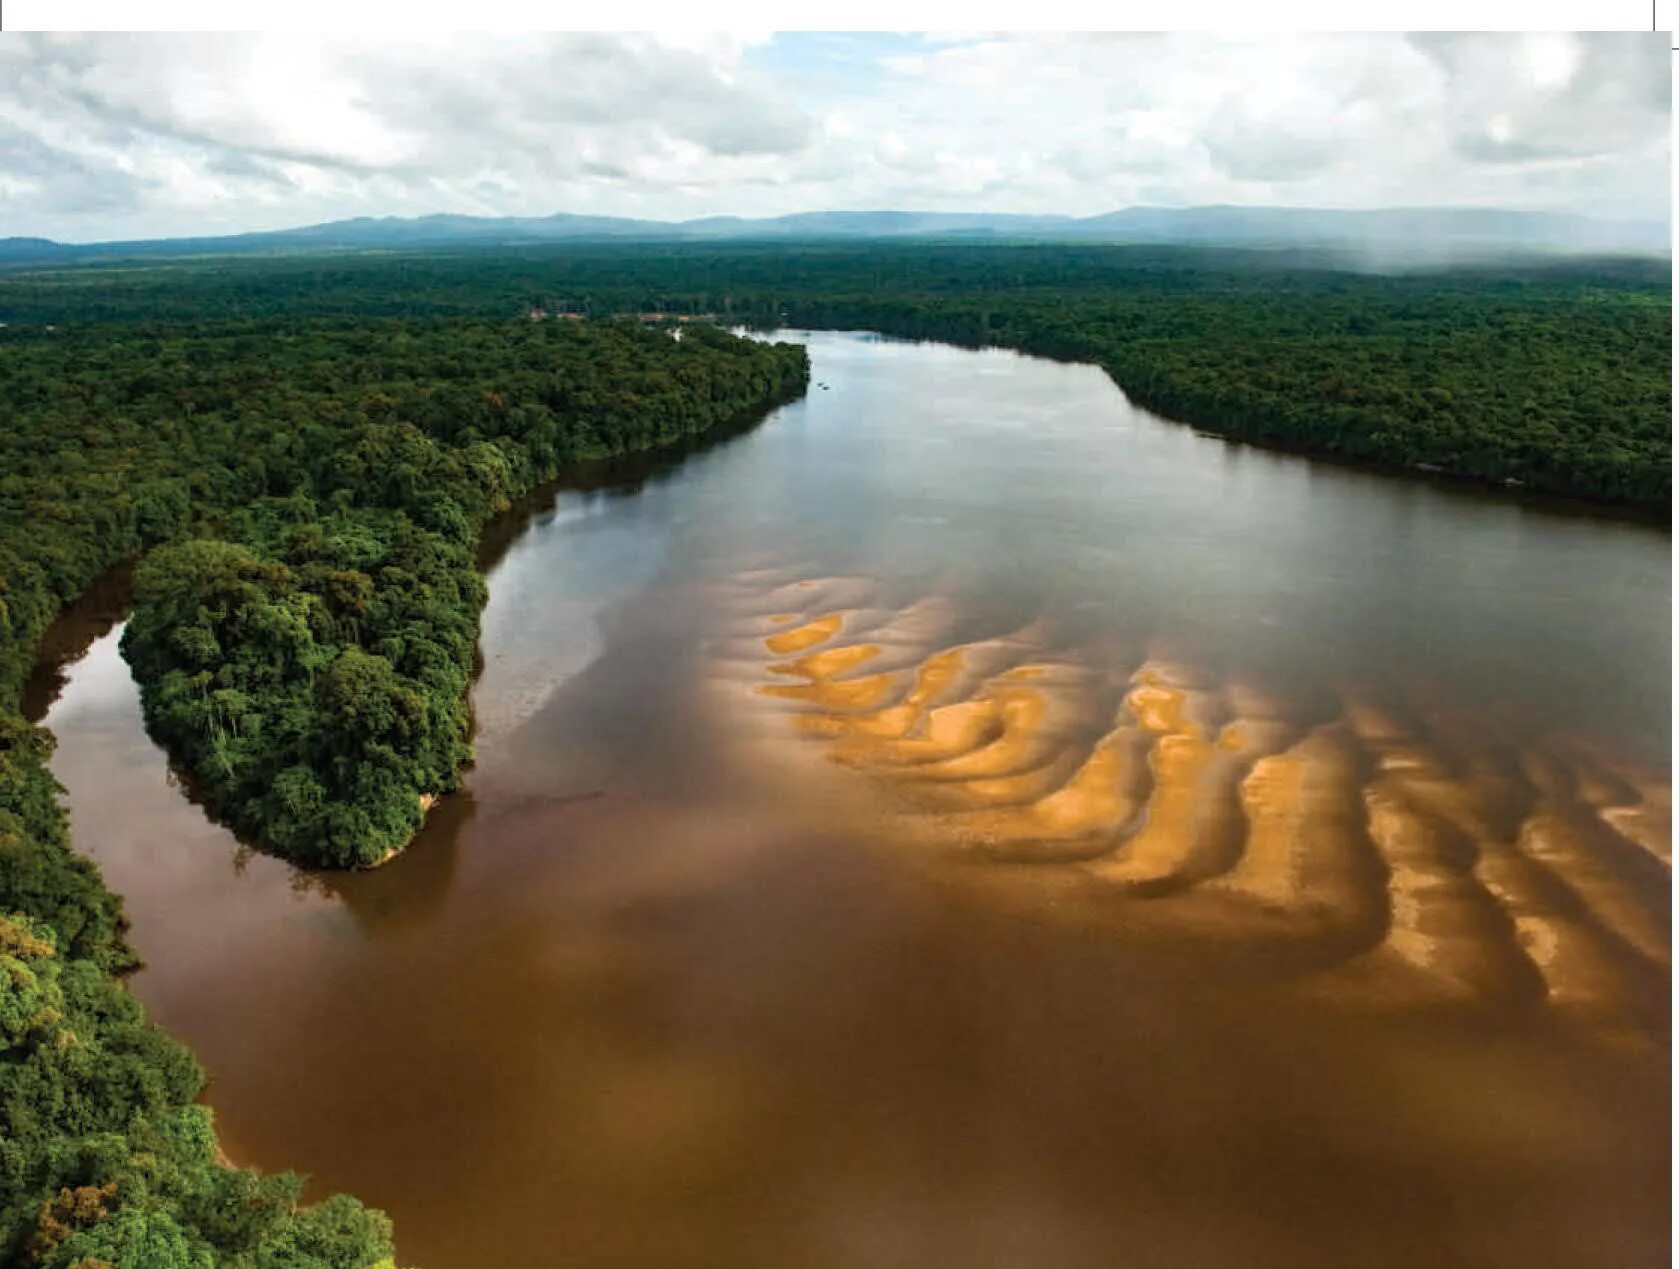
[311,495]
[302,451]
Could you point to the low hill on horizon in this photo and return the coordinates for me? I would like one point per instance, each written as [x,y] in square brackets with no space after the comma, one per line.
[1389,236]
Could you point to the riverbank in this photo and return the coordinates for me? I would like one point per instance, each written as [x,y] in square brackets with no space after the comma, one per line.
[85,487]
[1553,372]
[1360,400]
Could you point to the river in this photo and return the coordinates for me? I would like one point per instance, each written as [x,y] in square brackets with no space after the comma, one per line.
[967,820]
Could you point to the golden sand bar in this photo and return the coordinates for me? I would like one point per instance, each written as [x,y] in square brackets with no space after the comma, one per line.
[1437,862]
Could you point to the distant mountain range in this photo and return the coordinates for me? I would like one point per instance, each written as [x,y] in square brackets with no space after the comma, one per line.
[1387,232]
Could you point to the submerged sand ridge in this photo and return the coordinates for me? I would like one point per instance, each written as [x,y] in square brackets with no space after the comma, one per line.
[1401,852]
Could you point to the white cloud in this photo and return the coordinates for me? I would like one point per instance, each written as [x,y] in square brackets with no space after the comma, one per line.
[1553,96]
[124,136]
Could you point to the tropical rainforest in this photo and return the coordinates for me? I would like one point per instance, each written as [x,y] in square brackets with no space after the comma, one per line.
[307,499]
[302,453]
[1546,373]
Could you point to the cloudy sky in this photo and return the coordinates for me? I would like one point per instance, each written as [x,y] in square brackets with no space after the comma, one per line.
[128,136]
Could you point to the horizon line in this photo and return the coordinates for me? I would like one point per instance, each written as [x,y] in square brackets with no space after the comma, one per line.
[1069,217]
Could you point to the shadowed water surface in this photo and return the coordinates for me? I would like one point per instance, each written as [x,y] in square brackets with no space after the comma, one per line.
[966,820]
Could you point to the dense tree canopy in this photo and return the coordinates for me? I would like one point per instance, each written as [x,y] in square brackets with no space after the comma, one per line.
[310,664]
[104,1160]
[308,498]
[1548,372]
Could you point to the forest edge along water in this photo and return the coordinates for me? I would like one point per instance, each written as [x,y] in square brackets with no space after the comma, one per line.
[319,707]
[967,818]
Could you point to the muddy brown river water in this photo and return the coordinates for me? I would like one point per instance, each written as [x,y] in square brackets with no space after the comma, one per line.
[966,820]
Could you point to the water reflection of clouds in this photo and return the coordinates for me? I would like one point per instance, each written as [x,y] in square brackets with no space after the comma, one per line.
[100,682]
